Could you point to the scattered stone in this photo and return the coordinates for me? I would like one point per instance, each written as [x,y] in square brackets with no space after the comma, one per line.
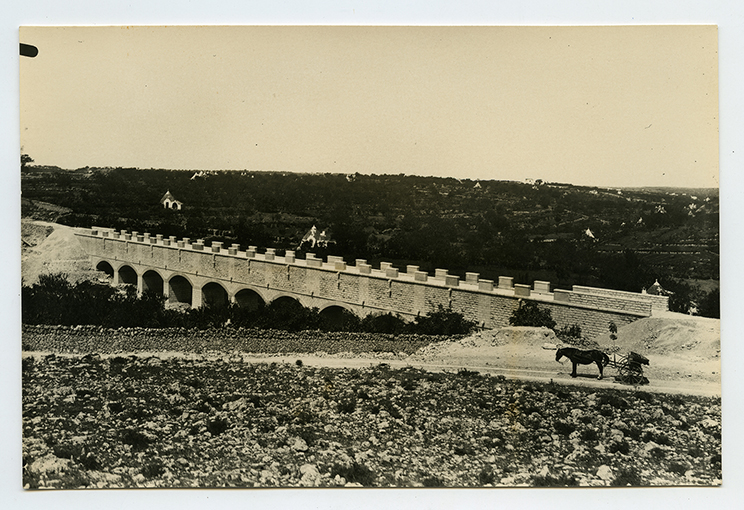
[604,472]
[299,445]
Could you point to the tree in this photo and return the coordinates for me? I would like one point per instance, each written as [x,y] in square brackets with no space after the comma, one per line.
[530,314]
[710,304]
[25,161]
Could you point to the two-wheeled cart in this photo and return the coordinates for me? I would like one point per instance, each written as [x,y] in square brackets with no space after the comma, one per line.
[629,368]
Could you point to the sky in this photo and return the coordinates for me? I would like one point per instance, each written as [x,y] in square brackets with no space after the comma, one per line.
[604,106]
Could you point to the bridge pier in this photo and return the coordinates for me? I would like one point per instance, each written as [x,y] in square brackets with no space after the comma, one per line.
[196,297]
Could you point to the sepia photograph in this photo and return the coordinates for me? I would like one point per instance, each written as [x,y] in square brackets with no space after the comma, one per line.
[370,257]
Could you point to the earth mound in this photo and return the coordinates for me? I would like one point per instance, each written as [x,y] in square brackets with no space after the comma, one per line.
[49,248]
[669,334]
[483,340]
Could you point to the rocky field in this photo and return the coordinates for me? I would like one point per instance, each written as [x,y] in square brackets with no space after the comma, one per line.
[113,421]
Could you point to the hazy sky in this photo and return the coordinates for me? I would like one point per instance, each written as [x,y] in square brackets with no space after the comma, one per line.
[609,106]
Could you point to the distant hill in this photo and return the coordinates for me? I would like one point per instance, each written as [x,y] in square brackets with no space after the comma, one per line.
[622,238]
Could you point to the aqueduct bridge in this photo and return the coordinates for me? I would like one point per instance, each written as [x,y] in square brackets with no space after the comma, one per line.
[190,272]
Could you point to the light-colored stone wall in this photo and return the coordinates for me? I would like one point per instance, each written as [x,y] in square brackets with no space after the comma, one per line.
[358,287]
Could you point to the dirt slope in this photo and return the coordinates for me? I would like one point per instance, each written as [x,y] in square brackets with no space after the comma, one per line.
[48,248]
[669,334]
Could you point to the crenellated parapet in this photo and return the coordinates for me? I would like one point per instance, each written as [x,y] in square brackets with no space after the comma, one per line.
[357,286]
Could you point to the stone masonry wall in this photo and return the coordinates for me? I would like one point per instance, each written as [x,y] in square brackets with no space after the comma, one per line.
[359,288]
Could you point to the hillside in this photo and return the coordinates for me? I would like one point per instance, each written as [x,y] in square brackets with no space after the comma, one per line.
[615,238]
[49,248]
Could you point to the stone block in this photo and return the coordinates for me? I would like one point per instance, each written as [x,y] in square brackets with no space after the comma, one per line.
[385,265]
[270,254]
[198,245]
[339,265]
[314,262]
[365,268]
[541,287]
[485,285]
[521,290]
[420,276]
[440,274]
[506,282]
[289,257]
[472,278]
[452,280]
[360,261]
[391,272]
[411,269]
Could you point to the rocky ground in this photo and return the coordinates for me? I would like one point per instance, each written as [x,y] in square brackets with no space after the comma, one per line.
[101,422]
[137,408]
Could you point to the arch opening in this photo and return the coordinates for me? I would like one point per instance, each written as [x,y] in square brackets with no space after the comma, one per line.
[179,290]
[105,267]
[339,318]
[286,303]
[152,282]
[214,295]
[127,275]
[249,299]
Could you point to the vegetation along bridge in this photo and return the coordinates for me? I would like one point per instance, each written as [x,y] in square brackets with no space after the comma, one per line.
[189,272]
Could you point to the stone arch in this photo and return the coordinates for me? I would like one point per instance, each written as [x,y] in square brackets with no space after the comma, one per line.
[180,290]
[127,275]
[249,299]
[105,267]
[214,295]
[285,301]
[336,316]
[153,282]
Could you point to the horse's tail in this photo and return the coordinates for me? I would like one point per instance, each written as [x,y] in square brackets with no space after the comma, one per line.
[605,359]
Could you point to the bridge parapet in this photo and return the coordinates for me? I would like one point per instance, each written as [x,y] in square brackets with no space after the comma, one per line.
[385,288]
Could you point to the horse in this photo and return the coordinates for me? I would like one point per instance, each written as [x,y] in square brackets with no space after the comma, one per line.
[579,357]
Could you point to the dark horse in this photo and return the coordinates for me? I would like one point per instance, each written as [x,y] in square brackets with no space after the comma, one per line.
[579,357]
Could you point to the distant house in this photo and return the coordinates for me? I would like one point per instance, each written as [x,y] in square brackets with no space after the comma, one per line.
[170,202]
[657,290]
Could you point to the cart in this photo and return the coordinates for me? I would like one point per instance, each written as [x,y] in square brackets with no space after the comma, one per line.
[629,368]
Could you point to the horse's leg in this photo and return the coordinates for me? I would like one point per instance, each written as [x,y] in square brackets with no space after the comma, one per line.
[599,364]
[573,374]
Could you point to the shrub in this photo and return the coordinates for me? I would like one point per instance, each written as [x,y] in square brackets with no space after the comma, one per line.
[433,481]
[625,477]
[486,476]
[383,323]
[530,314]
[620,447]
[137,440]
[217,426]
[569,334]
[563,428]
[355,473]
[347,405]
[443,321]
[548,480]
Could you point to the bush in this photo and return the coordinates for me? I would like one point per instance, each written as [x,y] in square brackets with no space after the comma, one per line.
[383,323]
[569,334]
[626,476]
[355,473]
[530,314]
[443,321]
